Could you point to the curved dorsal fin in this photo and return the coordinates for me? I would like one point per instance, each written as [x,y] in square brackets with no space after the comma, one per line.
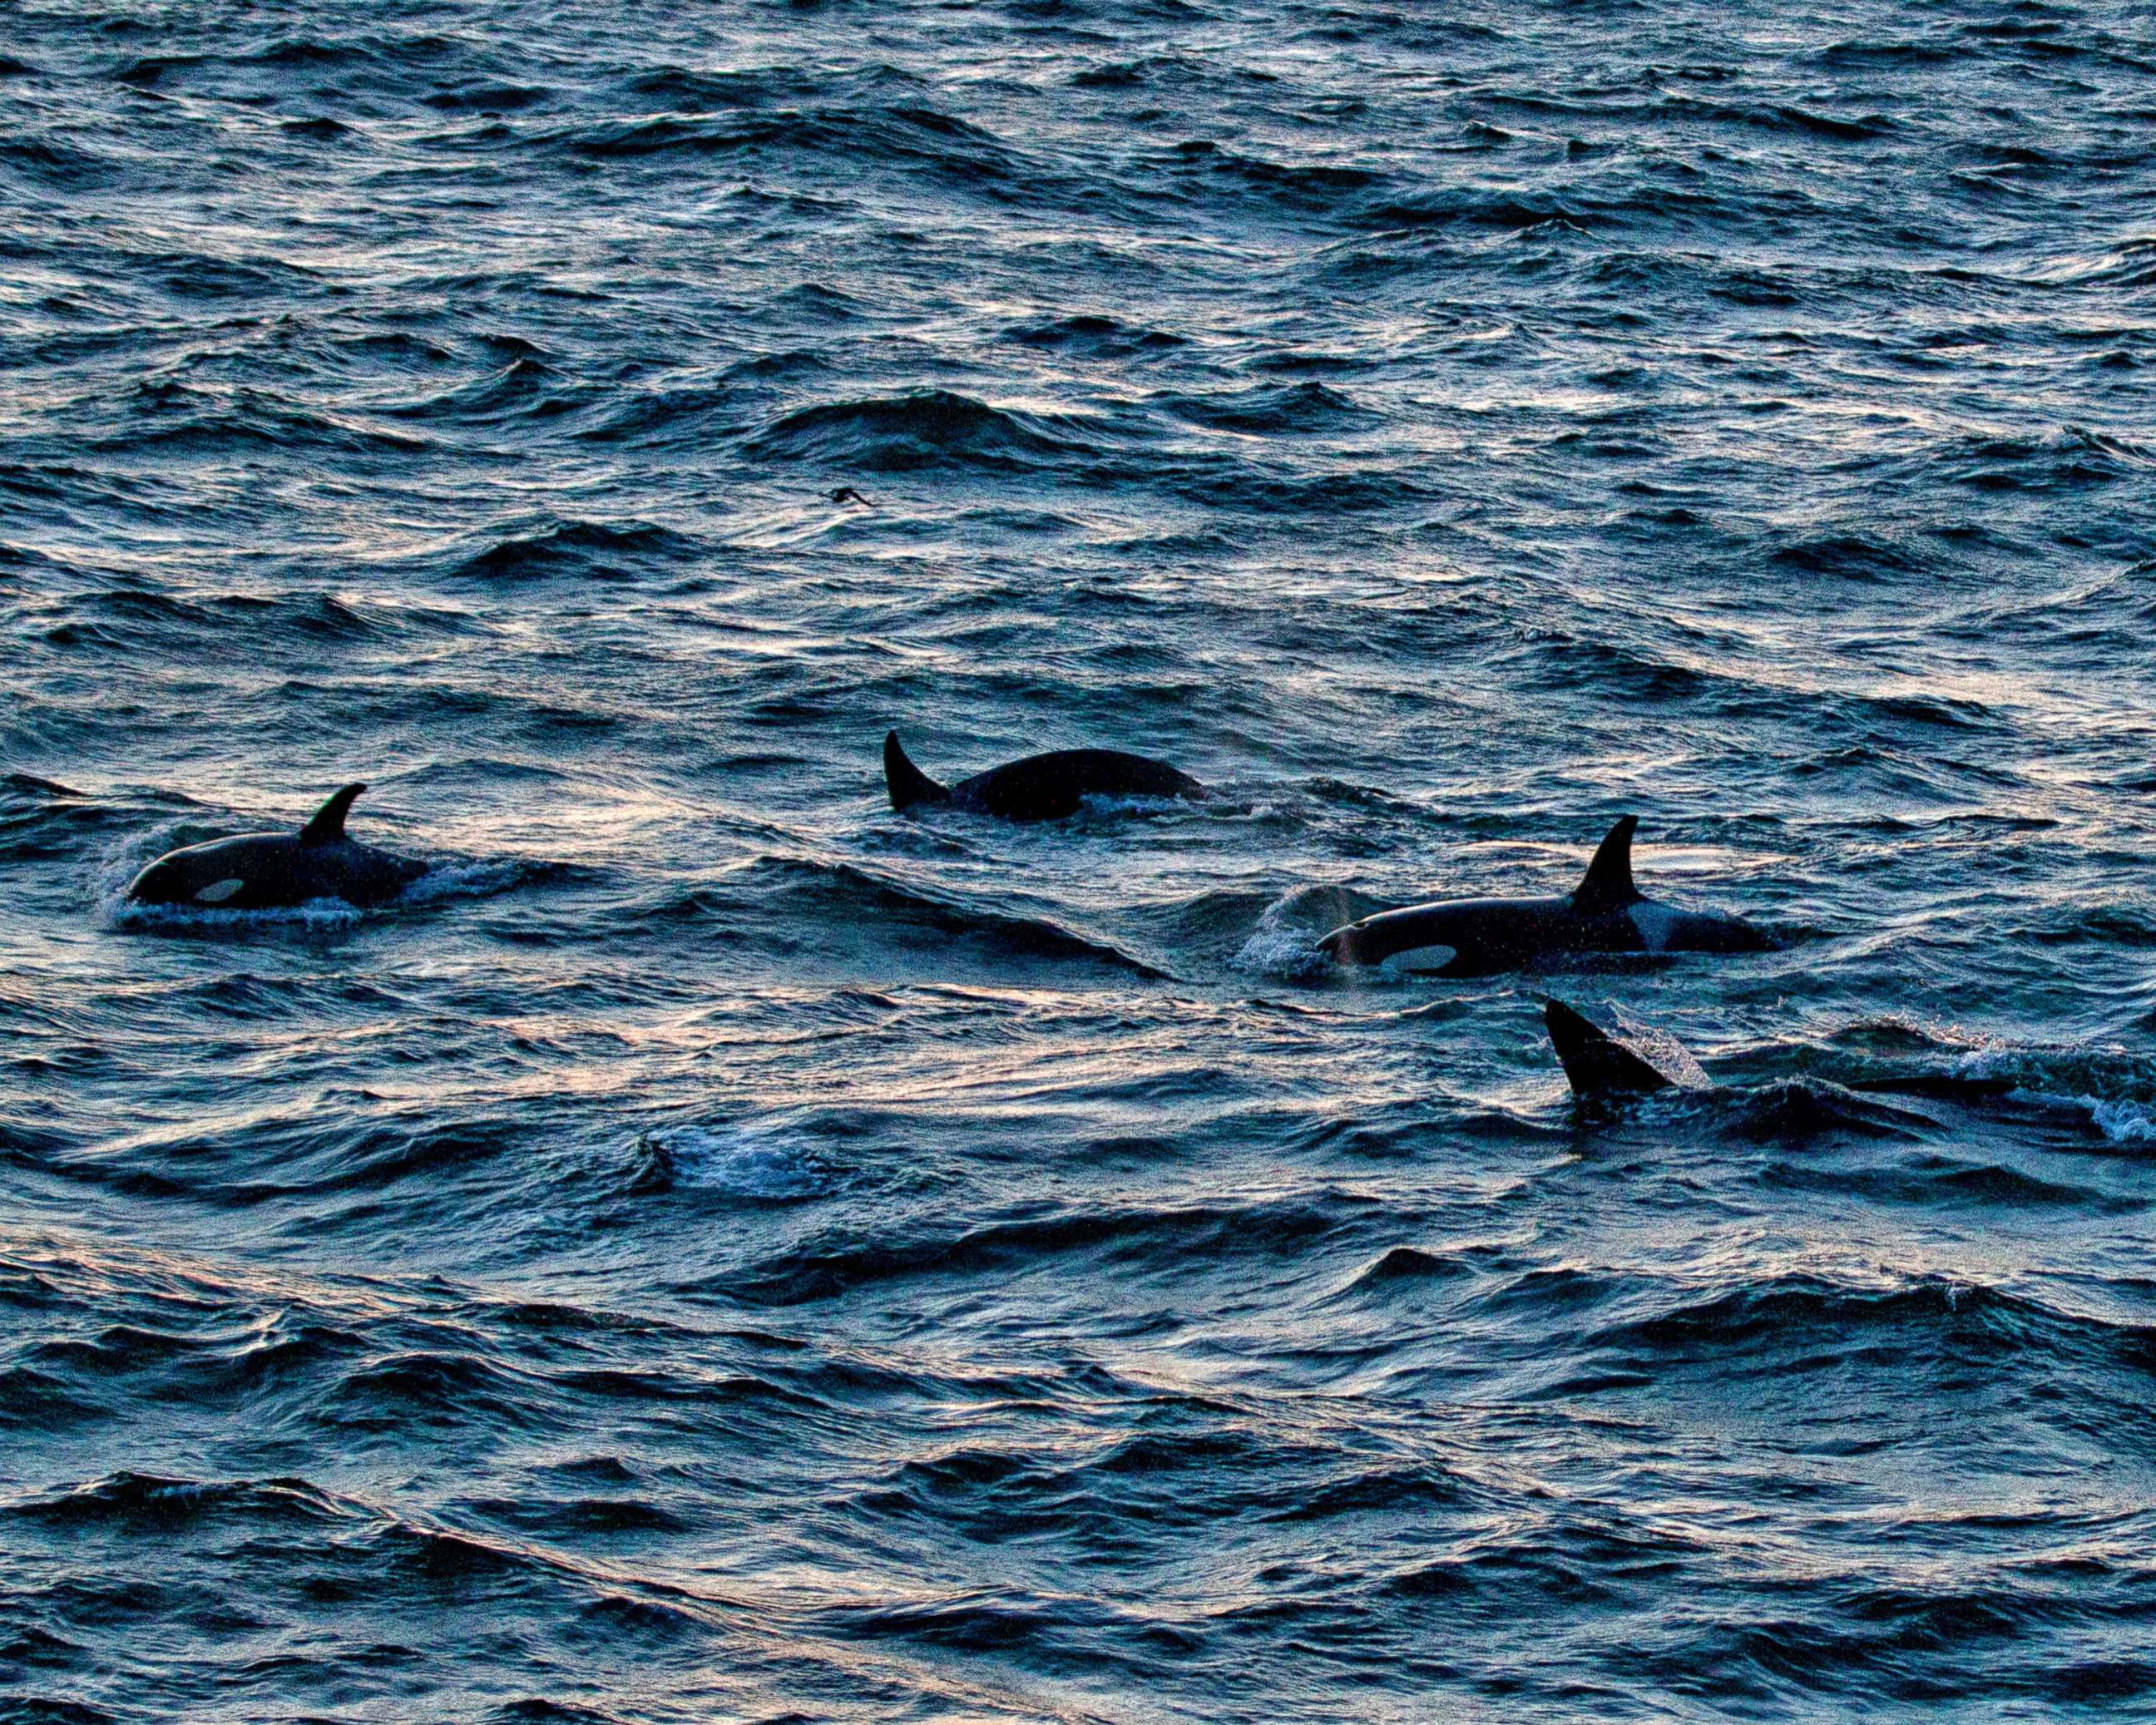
[327,826]
[907,783]
[1609,883]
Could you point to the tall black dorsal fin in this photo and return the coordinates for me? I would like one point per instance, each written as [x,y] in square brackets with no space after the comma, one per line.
[907,783]
[1609,883]
[1620,1055]
[327,826]
[1596,1063]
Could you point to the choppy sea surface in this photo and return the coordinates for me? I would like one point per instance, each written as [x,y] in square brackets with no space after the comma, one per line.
[721,1250]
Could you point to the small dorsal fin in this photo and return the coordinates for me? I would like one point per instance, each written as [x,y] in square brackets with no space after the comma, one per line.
[327,826]
[1609,883]
[907,783]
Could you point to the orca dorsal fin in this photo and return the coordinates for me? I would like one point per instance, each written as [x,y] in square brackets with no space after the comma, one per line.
[907,783]
[1609,883]
[327,826]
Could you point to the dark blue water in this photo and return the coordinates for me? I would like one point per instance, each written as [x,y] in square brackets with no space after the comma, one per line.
[722,1251]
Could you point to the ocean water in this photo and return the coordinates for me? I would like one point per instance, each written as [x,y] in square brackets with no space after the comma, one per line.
[722,1251]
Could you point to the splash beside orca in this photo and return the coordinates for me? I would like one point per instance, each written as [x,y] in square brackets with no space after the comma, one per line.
[260,871]
[1049,786]
[1606,913]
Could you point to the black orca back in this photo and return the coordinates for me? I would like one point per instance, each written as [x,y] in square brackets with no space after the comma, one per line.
[1052,785]
[1047,787]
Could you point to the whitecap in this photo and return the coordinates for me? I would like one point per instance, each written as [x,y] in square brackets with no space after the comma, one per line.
[480,879]
[2123,1123]
[314,913]
[755,1158]
[1282,946]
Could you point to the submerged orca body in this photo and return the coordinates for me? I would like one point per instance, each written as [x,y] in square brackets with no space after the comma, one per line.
[1480,936]
[1040,787]
[263,871]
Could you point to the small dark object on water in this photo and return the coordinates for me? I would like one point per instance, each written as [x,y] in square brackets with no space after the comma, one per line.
[847,494]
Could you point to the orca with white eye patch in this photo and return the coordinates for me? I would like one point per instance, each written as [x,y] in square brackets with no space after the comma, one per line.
[1606,913]
[261,871]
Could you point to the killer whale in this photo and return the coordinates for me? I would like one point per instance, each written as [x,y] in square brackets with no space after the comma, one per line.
[260,871]
[1613,1054]
[1618,1055]
[1605,913]
[1048,787]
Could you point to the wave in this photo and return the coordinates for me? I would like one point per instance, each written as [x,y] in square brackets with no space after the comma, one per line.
[340,1547]
[2070,458]
[842,896]
[1851,556]
[902,138]
[282,55]
[1407,1266]
[2129,264]
[316,913]
[451,878]
[487,96]
[1317,186]
[925,429]
[157,1502]
[764,1159]
[2130,1125]
[1267,409]
[1098,1233]
[1096,335]
[563,546]
[526,389]
[2105,1085]
[1756,1326]
[41,819]
[1474,209]
[1284,943]
[137,621]
[1797,1110]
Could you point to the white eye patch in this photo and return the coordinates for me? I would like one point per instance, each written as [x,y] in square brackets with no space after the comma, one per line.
[218,892]
[1421,959]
